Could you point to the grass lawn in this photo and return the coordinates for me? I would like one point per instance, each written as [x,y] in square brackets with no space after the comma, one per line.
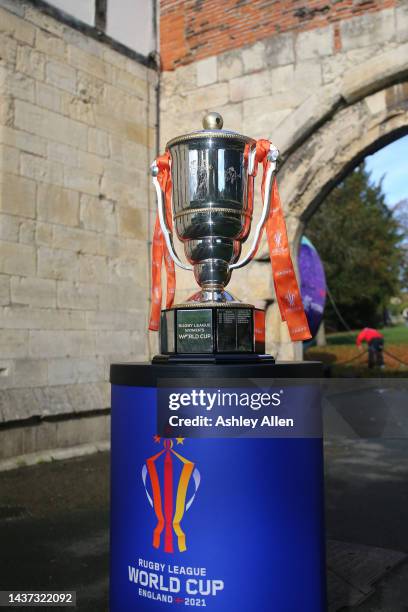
[341,348]
[392,335]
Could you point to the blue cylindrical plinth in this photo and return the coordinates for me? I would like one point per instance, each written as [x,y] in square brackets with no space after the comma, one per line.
[232,525]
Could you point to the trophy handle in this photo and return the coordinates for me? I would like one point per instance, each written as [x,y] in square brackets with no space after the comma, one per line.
[163,223]
[272,158]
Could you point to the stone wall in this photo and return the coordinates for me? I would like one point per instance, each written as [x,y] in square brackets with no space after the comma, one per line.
[284,87]
[77,135]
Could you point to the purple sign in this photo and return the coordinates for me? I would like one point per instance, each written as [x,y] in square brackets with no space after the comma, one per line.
[312,284]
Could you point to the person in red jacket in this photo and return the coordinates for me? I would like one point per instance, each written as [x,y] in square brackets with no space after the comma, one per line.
[375,342]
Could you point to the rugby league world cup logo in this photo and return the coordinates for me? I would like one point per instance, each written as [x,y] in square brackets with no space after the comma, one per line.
[278,239]
[290,298]
[169,478]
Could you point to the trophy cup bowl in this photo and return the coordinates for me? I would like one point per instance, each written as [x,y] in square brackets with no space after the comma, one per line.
[212,174]
[211,206]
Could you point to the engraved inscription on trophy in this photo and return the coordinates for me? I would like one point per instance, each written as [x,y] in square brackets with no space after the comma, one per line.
[235,330]
[202,180]
[226,330]
[244,330]
[194,331]
[230,175]
[199,169]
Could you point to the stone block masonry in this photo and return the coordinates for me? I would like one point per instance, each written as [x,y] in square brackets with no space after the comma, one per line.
[77,135]
[326,81]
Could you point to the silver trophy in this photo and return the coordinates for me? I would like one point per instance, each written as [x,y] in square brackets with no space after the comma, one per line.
[212,194]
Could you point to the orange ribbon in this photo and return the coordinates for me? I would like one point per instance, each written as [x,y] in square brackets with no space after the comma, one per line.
[160,250]
[284,277]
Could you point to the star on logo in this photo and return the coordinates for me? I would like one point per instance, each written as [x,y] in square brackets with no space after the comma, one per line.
[157,439]
[180,440]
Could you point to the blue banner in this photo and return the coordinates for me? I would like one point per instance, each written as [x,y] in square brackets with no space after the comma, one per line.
[230,525]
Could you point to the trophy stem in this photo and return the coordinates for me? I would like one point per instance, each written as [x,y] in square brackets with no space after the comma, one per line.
[214,295]
[212,274]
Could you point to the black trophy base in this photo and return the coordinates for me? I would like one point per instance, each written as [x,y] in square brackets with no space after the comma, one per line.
[223,329]
[150,375]
[215,358]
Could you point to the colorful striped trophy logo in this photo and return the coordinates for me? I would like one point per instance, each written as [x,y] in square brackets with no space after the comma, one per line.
[171,476]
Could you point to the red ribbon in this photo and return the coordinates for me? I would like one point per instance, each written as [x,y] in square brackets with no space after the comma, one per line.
[160,250]
[168,503]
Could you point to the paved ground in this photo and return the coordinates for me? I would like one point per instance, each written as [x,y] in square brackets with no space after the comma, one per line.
[367,504]
[54,529]
[54,526]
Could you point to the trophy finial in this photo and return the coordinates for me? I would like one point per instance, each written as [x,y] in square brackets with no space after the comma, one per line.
[213,121]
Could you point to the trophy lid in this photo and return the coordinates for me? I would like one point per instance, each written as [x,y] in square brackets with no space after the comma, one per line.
[212,124]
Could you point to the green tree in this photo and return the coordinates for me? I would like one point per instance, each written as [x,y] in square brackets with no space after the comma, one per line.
[359,241]
[400,213]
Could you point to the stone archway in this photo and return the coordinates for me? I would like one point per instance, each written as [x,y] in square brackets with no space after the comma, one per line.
[325,158]
[330,153]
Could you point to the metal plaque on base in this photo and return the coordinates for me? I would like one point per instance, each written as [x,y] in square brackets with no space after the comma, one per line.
[212,329]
